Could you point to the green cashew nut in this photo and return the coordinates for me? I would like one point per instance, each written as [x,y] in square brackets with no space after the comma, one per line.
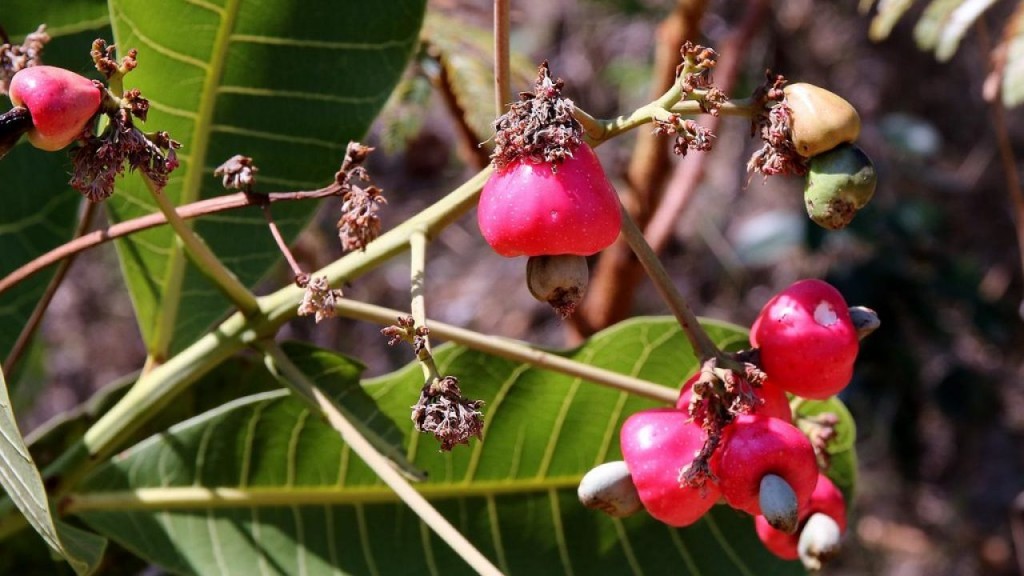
[840,182]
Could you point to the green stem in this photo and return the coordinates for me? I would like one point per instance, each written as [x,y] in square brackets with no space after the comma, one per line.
[599,130]
[417,304]
[297,380]
[203,257]
[699,340]
[517,352]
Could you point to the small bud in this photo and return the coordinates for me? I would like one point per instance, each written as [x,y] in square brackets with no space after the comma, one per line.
[610,489]
[558,280]
[840,182]
[319,299]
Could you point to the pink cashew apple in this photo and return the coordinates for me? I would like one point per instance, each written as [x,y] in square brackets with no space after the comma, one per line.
[807,340]
[656,445]
[543,209]
[60,102]
[766,466]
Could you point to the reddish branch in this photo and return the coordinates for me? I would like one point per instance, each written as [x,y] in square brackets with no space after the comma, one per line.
[29,330]
[188,211]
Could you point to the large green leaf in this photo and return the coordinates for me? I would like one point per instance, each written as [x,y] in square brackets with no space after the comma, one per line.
[287,82]
[22,483]
[262,484]
[39,206]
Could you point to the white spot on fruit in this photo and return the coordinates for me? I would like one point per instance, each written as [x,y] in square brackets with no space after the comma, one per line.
[825,314]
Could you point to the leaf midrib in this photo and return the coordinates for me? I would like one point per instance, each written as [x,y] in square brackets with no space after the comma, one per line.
[198,497]
[163,335]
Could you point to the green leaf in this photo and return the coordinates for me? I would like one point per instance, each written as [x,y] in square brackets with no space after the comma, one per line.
[64,18]
[841,449]
[932,22]
[941,26]
[20,479]
[229,380]
[40,208]
[262,484]
[889,13]
[1013,70]
[286,82]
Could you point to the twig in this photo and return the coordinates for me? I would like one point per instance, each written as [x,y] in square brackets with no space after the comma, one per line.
[702,345]
[515,351]
[502,57]
[1006,156]
[203,257]
[281,244]
[300,383]
[417,302]
[25,336]
[186,212]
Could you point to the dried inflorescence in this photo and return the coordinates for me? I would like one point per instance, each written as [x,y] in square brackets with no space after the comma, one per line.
[689,134]
[442,411]
[540,126]
[695,70]
[359,224]
[777,155]
[697,84]
[319,298]
[104,57]
[237,173]
[15,57]
[99,159]
[719,395]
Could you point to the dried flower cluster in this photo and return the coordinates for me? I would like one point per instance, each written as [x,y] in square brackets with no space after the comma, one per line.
[696,80]
[361,200]
[99,159]
[104,57]
[319,298]
[237,173]
[719,395]
[695,70]
[777,155]
[442,411]
[541,126]
[689,134]
[14,57]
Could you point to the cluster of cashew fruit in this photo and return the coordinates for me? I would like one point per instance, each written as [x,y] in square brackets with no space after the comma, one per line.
[762,464]
[841,178]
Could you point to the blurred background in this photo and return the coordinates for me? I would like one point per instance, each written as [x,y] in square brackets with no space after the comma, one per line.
[938,393]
